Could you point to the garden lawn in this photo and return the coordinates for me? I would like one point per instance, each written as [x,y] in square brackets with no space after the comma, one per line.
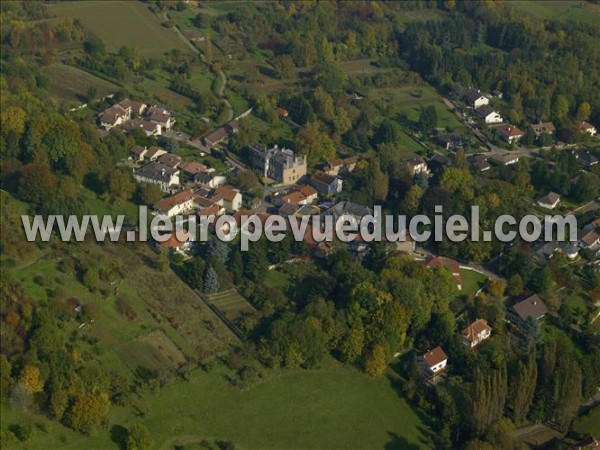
[589,423]
[471,281]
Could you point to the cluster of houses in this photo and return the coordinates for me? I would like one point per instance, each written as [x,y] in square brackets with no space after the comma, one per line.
[433,364]
[129,115]
[488,116]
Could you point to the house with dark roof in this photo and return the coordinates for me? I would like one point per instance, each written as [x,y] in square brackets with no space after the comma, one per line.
[586,127]
[523,309]
[170,160]
[586,158]
[165,177]
[474,98]
[504,159]
[488,115]
[137,152]
[349,209]
[279,164]
[326,184]
[450,141]
[588,239]
[218,135]
[542,128]
[479,163]
[549,201]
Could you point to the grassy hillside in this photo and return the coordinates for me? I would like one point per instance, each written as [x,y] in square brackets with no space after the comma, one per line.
[578,11]
[333,408]
[120,23]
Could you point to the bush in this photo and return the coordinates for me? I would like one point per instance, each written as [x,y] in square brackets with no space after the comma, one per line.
[22,431]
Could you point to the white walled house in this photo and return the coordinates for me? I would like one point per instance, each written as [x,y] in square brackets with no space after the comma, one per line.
[476,333]
[435,361]
[549,201]
[180,203]
[487,115]
[475,99]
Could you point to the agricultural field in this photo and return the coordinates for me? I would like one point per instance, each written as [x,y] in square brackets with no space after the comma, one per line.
[72,84]
[231,304]
[341,407]
[578,11]
[121,23]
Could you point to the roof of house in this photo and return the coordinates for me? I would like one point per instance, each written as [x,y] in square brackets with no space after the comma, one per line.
[472,332]
[504,158]
[588,237]
[532,306]
[133,104]
[158,114]
[289,209]
[174,242]
[583,125]
[587,158]
[153,151]
[413,162]
[446,139]
[192,168]
[111,114]
[156,171]
[435,356]
[169,159]
[145,125]
[323,178]
[452,266]
[226,192]
[281,112]
[546,127]
[137,150]
[484,111]
[550,198]
[509,131]
[473,94]
[353,209]
[167,203]
[479,162]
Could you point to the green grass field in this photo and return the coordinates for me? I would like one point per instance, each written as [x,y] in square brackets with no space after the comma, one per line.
[590,423]
[121,23]
[409,100]
[331,408]
[471,281]
[72,84]
[575,10]
[231,304]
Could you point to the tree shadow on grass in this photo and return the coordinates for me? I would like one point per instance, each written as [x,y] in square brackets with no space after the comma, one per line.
[118,434]
[399,443]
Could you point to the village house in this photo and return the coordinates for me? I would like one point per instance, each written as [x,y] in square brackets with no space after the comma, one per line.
[176,245]
[210,179]
[586,127]
[487,115]
[475,99]
[588,239]
[417,165]
[279,164]
[217,136]
[586,158]
[281,112]
[340,166]
[479,163]
[450,141]
[228,197]
[476,333]
[326,185]
[179,203]
[137,153]
[524,309]
[593,225]
[509,133]
[345,208]
[434,363]
[165,177]
[452,266]
[130,115]
[301,195]
[154,153]
[170,160]
[192,168]
[549,201]
[505,159]
[149,128]
[542,128]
